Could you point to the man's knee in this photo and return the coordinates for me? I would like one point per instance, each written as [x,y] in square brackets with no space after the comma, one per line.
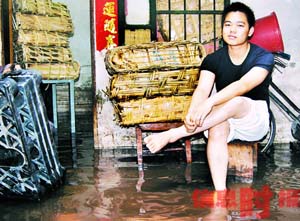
[238,106]
[239,101]
[219,132]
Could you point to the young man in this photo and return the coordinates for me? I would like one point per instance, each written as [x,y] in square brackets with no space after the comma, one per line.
[241,72]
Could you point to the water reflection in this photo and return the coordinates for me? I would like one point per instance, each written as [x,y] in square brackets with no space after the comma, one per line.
[168,190]
[282,156]
[112,188]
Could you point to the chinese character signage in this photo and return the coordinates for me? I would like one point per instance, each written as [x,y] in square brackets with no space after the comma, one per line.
[106,24]
[246,203]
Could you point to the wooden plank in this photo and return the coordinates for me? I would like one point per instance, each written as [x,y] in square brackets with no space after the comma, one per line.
[159,126]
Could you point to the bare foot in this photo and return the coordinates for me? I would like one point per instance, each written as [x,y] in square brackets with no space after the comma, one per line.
[217,201]
[155,142]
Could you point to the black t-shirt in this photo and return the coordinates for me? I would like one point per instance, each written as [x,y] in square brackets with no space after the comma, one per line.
[226,72]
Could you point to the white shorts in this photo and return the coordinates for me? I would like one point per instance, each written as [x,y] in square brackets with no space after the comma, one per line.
[253,127]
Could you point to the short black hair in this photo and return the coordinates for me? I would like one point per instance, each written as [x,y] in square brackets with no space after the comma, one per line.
[241,7]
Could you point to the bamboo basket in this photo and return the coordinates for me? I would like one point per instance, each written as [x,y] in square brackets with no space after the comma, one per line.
[155,55]
[41,38]
[153,84]
[160,109]
[57,71]
[43,23]
[41,7]
[32,6]
[34,54]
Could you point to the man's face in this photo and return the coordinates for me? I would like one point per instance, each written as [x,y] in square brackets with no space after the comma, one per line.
[236,28]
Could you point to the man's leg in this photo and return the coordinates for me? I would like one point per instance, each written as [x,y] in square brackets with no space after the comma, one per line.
[217,154]
[235,108]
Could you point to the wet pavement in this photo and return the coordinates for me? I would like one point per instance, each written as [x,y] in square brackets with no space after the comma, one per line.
[104,186]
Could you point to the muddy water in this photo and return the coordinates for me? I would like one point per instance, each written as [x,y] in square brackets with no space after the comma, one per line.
[110,188]
[101,186]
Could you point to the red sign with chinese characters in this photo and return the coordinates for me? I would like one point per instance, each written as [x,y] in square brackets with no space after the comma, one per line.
[246,203]
[106,24]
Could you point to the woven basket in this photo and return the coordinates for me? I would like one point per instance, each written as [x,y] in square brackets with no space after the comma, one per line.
[41,38]
[155,55]
[57,71]
[160,109]
[32,6]
[153,84]
[43,23]
[33,54]
[41,7]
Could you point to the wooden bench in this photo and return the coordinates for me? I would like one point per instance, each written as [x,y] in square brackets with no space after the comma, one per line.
[242,155]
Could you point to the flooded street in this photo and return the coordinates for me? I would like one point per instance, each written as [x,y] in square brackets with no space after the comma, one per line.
[101,186]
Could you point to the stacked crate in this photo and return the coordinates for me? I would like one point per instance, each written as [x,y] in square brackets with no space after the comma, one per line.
[153,82]
[29,164]
[41,35]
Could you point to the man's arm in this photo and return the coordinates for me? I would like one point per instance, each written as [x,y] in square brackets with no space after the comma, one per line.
[249,81]
[201,93]
[203,90]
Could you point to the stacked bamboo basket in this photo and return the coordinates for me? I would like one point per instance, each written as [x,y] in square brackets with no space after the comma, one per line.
[41,33]
[153,82]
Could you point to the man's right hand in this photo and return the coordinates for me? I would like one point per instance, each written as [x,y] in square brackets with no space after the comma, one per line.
[189,124]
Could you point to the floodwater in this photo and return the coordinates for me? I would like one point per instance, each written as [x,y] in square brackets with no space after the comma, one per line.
[103,186]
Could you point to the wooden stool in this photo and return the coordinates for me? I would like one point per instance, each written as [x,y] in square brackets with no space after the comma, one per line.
[159,127]
[242,158]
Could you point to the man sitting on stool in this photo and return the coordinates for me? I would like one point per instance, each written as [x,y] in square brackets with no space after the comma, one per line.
[240,107]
